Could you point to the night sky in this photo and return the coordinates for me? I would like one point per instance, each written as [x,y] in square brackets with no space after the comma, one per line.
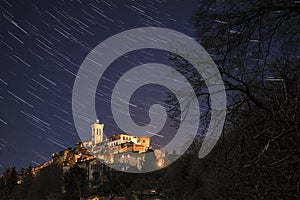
[42,45]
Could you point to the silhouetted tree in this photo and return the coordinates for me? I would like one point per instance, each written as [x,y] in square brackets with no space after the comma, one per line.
[27,180]
[255,45]
[75,183]
[8,182]
[47,184]
[150,161]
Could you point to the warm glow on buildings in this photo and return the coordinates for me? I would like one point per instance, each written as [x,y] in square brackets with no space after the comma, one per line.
[123,148]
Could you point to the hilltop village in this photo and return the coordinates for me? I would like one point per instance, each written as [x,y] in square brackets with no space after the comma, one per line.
[122,151]
[93,169]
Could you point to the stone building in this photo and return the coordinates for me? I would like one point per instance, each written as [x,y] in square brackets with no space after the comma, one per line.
[117,149]
[97,133]
[97,172]
[121,151]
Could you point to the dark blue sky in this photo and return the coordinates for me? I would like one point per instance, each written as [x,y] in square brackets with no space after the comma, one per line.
[42,45]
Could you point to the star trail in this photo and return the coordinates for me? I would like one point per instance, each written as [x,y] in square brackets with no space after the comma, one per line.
[42,45]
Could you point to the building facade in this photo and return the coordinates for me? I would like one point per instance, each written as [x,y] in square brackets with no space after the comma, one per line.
[121,151]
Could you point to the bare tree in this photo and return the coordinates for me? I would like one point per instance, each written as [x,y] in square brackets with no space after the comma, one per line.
[255,45]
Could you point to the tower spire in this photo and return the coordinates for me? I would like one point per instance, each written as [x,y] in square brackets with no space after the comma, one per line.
[97,132]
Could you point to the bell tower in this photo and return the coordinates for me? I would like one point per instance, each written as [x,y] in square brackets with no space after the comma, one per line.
[97,132]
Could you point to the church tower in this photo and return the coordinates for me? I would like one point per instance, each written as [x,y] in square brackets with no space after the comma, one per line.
[97,132]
